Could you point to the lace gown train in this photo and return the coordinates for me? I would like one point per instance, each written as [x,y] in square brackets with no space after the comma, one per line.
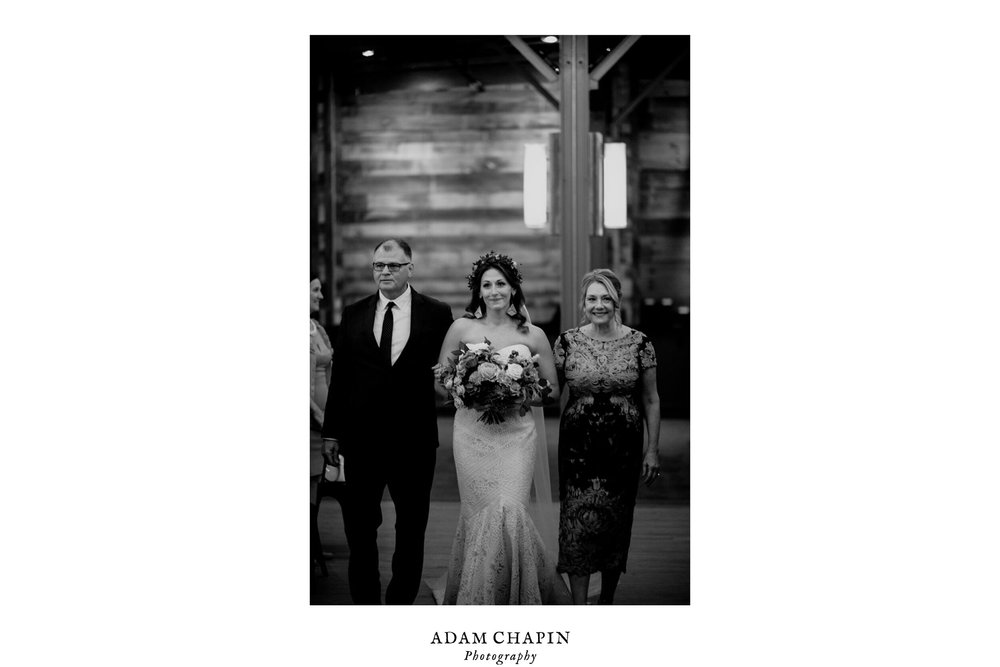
[498,556]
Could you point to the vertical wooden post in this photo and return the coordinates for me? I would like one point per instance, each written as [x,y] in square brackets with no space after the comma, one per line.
[576,160]
[595,229]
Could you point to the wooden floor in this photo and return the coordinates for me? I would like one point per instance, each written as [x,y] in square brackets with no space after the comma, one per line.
[659,569]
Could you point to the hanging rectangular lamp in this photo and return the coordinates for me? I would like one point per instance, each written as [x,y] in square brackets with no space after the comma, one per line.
[615,187]
[536,185]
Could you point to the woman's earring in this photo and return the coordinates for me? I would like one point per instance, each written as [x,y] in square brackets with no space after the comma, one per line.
[511,310]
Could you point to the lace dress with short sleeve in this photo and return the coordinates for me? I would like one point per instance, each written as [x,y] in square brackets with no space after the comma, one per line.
[600,447]
[321,364]
[320,372]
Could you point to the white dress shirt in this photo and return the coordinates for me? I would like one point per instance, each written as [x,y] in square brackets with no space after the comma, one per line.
[400,321]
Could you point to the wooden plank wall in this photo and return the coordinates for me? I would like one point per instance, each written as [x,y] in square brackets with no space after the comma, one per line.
[323,186]
[662,259]
[662,181]
[443,169]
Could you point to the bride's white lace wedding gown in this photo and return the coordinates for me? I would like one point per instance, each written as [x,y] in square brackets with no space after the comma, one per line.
[498,556]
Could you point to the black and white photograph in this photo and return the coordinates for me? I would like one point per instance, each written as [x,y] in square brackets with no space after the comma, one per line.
[638,334]
[529,195]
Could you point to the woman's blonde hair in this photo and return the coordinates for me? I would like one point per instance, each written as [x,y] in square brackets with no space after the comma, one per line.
[610,281]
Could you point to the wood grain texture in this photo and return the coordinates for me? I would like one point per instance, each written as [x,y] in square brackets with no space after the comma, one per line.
[443,170]
[401,118]
[664,150]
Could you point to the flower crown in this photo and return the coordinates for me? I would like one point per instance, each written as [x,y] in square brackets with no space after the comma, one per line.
[493,258]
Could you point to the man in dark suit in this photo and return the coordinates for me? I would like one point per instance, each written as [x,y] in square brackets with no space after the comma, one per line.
[381,416]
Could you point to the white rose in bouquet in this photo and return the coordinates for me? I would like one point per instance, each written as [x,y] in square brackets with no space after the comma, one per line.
[488,370]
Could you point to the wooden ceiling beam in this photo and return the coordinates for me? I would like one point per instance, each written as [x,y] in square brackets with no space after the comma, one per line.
[527,76]
[536,60]
[612,58]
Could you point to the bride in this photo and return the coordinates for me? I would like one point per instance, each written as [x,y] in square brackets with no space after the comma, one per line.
[498,556]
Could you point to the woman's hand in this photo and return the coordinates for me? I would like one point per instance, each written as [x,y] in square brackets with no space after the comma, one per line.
[651,467]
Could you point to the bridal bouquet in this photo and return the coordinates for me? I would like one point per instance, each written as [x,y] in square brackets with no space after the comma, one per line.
[492,383]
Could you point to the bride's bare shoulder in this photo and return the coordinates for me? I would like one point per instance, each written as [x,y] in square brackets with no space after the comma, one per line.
[536,338]
[467,329]
[463,324]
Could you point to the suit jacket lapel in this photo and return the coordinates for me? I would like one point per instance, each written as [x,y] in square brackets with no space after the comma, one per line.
[369,323]
[416,309]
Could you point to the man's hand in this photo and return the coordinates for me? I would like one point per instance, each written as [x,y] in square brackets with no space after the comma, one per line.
[331,451]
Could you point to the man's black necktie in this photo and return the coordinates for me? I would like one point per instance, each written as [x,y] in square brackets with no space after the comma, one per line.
[385,342]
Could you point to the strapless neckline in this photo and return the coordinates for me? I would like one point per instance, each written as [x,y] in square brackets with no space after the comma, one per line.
[511,347]
[523,352]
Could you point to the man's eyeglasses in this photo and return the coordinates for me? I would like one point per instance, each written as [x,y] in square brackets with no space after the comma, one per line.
[392,266]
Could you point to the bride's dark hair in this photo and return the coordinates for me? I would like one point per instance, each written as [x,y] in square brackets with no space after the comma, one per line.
[506,266]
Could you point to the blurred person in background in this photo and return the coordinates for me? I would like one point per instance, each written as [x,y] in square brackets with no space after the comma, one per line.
[320,374]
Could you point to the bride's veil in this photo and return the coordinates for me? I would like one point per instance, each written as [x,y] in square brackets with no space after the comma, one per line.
[542,509]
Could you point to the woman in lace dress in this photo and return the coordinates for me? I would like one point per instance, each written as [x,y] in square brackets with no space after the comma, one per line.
[498,556]
[610,370]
